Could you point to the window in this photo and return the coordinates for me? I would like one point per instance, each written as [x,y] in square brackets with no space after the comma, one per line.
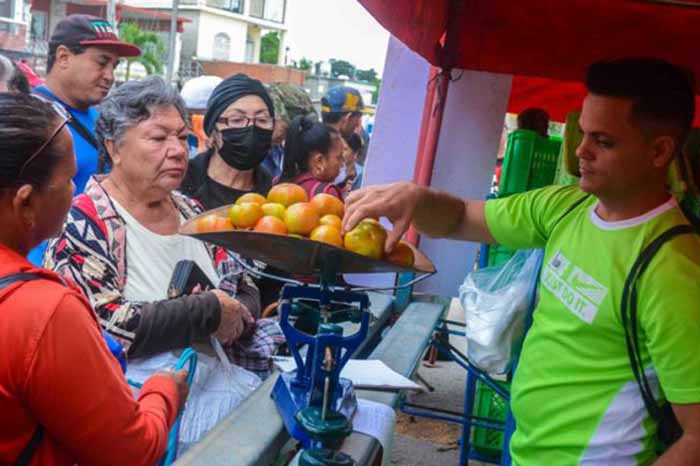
[38,27]
[6,8]
[222,46]
[234,6]
[271,10]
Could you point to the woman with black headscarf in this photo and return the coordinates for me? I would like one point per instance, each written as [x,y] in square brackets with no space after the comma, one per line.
[238,122]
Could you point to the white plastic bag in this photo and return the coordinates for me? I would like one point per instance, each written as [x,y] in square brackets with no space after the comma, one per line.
[217,389]
[495,302]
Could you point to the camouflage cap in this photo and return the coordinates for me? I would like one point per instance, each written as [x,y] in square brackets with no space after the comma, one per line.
[290,101]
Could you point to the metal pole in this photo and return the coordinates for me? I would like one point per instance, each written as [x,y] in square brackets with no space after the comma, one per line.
[171,47]
[112,12]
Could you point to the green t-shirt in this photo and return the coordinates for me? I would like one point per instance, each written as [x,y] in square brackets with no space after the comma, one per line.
[574,396]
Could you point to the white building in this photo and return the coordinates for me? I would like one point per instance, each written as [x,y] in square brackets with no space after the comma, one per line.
[225,30]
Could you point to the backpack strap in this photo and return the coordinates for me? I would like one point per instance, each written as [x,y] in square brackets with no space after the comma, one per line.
[30,448]
[628,313]
[74,123]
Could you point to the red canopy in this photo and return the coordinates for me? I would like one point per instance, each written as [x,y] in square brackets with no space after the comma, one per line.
[555,39]
[547,44]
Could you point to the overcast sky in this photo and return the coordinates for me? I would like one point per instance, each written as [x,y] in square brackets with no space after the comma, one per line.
[342,29]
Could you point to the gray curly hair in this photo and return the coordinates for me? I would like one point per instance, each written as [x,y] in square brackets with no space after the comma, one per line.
[128,105]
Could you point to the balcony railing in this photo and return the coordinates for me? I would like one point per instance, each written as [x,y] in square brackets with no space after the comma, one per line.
[270,10]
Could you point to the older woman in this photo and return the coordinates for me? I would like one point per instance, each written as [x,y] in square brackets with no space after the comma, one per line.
[121,241]
[238,122]
[63,397]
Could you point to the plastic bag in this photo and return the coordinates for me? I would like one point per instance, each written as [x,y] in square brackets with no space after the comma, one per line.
[217,389]
[495,302]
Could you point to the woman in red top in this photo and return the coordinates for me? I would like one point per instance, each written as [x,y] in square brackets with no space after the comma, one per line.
[63,397]
[313,155]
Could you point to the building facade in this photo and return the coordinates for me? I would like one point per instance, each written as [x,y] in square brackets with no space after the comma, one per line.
[224,30]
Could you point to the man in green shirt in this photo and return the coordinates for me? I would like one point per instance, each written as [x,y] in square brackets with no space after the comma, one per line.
[574,397]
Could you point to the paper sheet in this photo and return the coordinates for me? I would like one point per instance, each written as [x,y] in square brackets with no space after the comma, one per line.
[377,420]
[364,373]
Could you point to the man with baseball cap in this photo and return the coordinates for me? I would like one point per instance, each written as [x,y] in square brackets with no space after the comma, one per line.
[342,109]
[84,50]
[290,101]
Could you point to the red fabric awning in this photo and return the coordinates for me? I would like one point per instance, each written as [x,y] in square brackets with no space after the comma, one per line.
[551,39]
[546,44]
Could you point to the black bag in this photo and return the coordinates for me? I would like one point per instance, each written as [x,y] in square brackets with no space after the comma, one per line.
[669,430]
[186,276]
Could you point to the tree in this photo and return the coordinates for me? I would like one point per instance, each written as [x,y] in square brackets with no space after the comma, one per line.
[305,64]
[270,48]
[151,45]
[342,68]
[369,76]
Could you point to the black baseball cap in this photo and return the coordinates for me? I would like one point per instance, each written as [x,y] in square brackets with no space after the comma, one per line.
[91,31]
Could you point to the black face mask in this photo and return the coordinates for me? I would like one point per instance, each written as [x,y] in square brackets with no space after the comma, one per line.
[245,148]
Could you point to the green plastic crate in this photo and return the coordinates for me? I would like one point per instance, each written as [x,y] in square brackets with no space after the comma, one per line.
[499,255]
[530,162]
[489,404]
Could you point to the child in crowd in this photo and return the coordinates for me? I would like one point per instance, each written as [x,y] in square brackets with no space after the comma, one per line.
[313,155]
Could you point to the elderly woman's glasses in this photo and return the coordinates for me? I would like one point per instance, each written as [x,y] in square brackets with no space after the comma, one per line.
[66,117]
[239,121]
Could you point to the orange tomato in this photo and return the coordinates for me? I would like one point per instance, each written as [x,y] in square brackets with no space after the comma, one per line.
[301,218]
[251,197]
[327,234]
[367,239]
[212,223]
[245,215]
[270,224]
[287,194]
[327,204]
[333,220]
[274,209]
[402,255]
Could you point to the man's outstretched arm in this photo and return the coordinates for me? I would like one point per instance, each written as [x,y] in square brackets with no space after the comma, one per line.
[435,213]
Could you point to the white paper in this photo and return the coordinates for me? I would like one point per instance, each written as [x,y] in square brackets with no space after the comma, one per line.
[364,373]
[377,420]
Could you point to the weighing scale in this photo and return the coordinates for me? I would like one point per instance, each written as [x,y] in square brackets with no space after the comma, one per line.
[314,401]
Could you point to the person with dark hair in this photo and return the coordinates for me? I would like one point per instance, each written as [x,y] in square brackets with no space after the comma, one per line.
[342,108]
[534,119]
[63,396]
[12,79]
[291,100]
[238,123]
[84,50]
[575,397]
[313,154]
[121,245]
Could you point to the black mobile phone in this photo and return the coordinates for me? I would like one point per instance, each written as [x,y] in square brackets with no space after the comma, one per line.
[186,276]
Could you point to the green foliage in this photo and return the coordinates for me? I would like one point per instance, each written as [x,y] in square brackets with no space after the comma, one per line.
[270,48]
[375,94]
[369,75]
[305,64]
[342,68]
[151,45]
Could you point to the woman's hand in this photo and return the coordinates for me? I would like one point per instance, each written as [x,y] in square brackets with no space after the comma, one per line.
[234,318]
[180,379]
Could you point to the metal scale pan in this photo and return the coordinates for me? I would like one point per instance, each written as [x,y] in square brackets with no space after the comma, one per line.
[295,255]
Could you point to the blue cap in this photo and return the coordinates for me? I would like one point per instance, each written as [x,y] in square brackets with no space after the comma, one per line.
[342,99]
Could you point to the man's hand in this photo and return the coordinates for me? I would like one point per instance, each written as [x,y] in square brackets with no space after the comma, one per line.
[397,202]
[435,213]
[180,379]
[686,451]
[234,317]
